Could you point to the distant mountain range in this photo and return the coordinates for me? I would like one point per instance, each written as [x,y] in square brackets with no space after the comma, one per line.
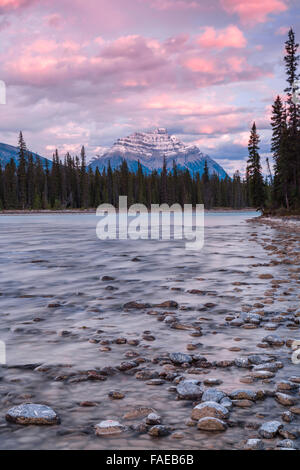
[148,148]
[8,152]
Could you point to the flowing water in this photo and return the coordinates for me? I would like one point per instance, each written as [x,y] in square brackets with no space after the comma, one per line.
[55,309]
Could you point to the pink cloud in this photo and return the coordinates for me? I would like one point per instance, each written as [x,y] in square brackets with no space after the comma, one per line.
[231,36]
[174,4]
[11,5]
[254,11]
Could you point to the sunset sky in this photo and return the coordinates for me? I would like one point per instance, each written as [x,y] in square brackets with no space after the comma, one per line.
[85,72]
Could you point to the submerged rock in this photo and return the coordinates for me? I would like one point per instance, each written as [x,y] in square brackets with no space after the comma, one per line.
[31,413]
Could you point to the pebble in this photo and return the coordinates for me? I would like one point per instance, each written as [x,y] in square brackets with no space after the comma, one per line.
[116,395]
[31,413]
[152,419]
[287,416]
[210,381]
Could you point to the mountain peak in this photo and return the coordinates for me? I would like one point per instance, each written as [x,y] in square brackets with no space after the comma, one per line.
[150,149]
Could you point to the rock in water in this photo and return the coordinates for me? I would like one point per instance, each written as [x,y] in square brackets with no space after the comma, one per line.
[254,444]
[31,413]
[180,358]
[210,408]
[211,424]
[213,394]
[109,428]
[270,429]
[188,390]
[158,431]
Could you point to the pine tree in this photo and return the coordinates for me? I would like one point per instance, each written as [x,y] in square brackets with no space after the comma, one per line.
[22,172]
[254,171]
[83,180]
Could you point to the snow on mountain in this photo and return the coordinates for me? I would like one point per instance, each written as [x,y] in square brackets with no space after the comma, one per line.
[8,152]
[150,148]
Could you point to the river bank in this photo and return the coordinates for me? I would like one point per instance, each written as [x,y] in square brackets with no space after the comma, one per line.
[117,330]
[93,211]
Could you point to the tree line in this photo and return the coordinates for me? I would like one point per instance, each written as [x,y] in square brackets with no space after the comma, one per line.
[71,184]
[282,192]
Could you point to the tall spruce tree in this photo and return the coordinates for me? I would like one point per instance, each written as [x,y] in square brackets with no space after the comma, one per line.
[254,171]
[21,172]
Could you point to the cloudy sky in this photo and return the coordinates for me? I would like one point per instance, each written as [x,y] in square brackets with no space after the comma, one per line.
[85,72]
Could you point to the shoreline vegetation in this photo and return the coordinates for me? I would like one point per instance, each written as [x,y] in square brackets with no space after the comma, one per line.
[93,211]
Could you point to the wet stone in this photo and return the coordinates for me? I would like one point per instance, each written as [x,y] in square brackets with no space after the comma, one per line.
[287,416]
[289,432]
[226,402]
[286,444]
[286,385]
[116,395]
[295,379]
[269,429]
[273,340]
[212,394]
[153,419]
[155,382]
[243,395]
[189,390]
[31,413]
[158,431]
[254,444]
[210,408]
[138,412]
[180,358]
[109,428]
[284,399]
[242,403]
[210,382]
[263,374]
[211,424]
[242,362]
